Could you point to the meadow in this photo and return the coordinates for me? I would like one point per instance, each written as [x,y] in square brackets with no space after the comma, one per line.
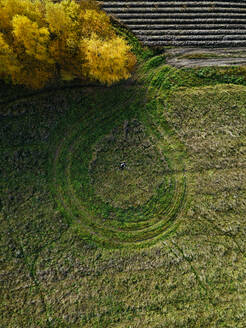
[160,243]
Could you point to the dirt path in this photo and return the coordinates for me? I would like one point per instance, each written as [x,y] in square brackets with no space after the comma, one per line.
[199,57]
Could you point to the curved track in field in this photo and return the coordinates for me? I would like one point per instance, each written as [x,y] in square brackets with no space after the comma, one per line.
[105,223]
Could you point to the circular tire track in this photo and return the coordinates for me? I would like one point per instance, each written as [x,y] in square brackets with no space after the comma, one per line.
[141,226]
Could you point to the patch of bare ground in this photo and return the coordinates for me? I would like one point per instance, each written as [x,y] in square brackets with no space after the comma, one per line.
[200,57]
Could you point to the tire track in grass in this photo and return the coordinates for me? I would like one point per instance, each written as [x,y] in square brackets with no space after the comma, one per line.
[92,224]
[58,150]
[225,233]
[201,284]
[5,105]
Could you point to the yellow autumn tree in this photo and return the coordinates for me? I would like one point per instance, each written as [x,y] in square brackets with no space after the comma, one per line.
[40,40]
[103,61]
[9,63]
[34,39]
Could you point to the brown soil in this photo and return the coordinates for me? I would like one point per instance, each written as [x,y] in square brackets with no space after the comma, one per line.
[196,57]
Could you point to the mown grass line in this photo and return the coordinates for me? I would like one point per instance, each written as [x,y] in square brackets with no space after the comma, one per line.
[130,232]
[62,198]
[205,288]
[127,225]
[5,106]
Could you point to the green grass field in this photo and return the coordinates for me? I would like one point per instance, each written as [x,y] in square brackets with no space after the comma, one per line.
[158,244]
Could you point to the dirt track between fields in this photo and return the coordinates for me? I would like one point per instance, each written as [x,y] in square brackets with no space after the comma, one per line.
[196,57]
